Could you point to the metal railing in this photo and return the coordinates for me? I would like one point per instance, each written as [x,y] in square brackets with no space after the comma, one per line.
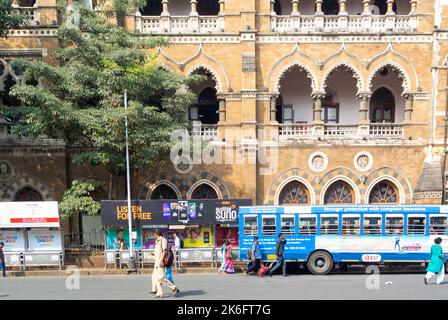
[92,241]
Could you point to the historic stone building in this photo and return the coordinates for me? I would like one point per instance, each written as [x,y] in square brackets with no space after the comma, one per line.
[347,97]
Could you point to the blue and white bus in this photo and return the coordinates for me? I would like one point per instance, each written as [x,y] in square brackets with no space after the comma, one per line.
[320,236]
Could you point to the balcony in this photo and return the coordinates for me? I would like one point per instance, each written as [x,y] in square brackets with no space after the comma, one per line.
[179,24]
[344,24]
[206,132]
[31,13]
[341,131]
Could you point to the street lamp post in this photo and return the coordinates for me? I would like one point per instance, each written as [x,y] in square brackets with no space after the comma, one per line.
[131,263]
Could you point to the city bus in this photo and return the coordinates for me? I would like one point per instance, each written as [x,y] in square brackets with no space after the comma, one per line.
[321,237]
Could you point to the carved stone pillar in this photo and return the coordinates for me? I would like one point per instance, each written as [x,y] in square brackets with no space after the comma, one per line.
[222,109]
[165,11]
[295,8]
[273,7]
[366,5]
[221,7]
[194,7]
[273,109]
[408,107]
[390,7]
[364,108]
[319,7]
[194,16]
[165,19]
[342,7]
[413,6]
[318,98]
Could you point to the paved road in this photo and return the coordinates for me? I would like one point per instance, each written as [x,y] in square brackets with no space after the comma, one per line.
[230,287]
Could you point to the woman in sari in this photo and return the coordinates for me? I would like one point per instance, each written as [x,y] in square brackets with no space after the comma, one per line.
[437,263]
[223,257]
[229,259]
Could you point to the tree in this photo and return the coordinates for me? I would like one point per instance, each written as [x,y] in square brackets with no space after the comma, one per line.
[78,200]
[8,18]
[82,101]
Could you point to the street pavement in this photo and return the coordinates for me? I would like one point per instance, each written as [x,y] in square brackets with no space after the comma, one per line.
[228,287]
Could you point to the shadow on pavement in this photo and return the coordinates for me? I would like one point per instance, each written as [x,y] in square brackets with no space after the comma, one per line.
[183,294]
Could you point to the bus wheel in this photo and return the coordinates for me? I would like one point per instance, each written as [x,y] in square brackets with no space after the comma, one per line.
[320,263]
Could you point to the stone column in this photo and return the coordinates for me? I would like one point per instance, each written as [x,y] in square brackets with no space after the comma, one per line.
[413,6]
[165,19]
[318,98]
[366,16]
[319,7]
[390,7]
[364,108]
[366,5]
[194,7]
[222,109]
[413,16]
[342,7]
[408,107]
[273,7]
[319,17]
[295,8]
[343,16]
[273,109]
[273,17]
[221,15]
[194,16]
[138,21]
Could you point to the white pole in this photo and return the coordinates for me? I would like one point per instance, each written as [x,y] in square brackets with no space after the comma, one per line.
[128,182]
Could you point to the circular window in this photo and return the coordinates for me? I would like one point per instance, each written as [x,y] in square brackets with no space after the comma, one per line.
[363,161]
[318,161]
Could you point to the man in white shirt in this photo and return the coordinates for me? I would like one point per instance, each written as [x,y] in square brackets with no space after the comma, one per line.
[158,274]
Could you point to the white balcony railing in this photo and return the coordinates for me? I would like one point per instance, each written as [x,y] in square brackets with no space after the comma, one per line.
[386,131]
[179,24]
[340,130]
[30,13]
[344,23]
[296,130]
[206,132]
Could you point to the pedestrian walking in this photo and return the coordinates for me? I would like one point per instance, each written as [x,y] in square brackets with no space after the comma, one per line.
[230,268]
[158,275]
[437,263]
[279,256]
[177,247]
[255,256]
[169,260]
[2,259]
[223,257]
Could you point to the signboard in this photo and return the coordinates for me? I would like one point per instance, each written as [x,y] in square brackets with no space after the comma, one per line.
[29,214]
[223,234]
[13,240]
[192,237]
[173,212]
[44,240]
[118,239]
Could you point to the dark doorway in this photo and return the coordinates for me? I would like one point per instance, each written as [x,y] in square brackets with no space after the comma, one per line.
[330,7]
[382,106]
[208,7]
[153,8]
[206,109]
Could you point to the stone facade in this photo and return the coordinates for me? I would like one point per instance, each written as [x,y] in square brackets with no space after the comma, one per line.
[353,146]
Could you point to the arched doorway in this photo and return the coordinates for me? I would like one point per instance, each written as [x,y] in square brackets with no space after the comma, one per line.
[294,193]
[339,192]
[384,192]
[28,194]
[330,7]
[163,191]
[330,107]
[382,106]
[206,109]
[152,8]
[208,7]
[204,191]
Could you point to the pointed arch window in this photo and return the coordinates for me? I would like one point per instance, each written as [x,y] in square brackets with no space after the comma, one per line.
[204,191]
[294,193]
[163,191]
[340,192]
[28,194]
[384,192]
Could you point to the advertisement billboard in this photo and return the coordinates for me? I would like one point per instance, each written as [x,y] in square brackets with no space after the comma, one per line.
[44,240]
[13,240]
[118,239]
[29,214]
[173,212]
[191,237]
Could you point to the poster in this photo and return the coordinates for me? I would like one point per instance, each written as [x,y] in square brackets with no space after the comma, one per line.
[29,214]
[149,239]
[230,234]
[118,239]
[44,240]
[13,240]
[197,237]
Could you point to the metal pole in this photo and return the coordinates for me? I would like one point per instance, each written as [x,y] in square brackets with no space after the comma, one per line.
[445,136]
[131,264]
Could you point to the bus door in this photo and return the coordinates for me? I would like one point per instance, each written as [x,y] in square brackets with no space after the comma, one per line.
[269,233]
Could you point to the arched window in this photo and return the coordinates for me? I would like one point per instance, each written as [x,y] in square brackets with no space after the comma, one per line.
[6,98]
[380,7]
[153,8]
[204,191]
[340,192]
[294,193]
[206,109]
[27,3]
[330,107]
[163,191]
[278,8]
[28,194]
[382,106]
[208,7]
[330,7]
[384,192]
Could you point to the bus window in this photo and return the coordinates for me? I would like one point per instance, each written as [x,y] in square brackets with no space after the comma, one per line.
[416,225]
[288,225]
[438,225]
[394,225]
[372,225]
[351,226]
[329,225]
[268,226]
[250,226]
[307,225]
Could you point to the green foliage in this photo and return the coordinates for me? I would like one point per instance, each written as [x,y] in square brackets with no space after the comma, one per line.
[77,200]
[82,101]
[8,18]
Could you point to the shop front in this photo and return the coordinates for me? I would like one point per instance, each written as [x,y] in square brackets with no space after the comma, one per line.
[201,225]
[30,232]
